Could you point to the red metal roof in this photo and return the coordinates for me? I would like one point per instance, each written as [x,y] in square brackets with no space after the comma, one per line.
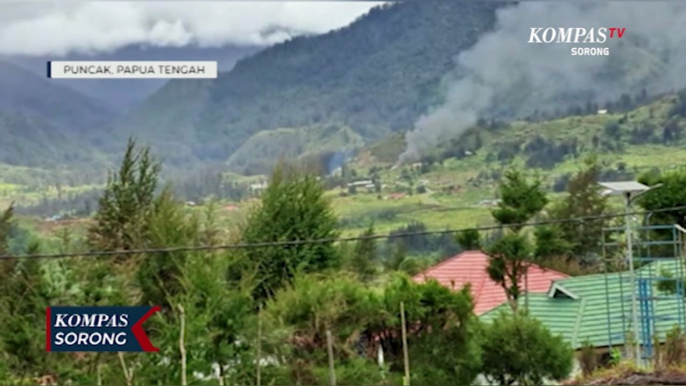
[470,267]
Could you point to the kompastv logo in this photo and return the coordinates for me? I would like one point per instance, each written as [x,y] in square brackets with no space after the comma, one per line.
[70,329]
[577,36]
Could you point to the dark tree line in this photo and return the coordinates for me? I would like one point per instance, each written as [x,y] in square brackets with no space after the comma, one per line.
[70,204]
[625,102]
[211,182]
[444,243]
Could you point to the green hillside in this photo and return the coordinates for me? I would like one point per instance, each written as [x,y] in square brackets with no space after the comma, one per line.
[48,131]
[352,91]
[259,153]
[377,75]
[24,93]
[452,186]
[165,120]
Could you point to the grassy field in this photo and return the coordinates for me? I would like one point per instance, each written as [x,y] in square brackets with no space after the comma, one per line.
[464,208]
[437,211]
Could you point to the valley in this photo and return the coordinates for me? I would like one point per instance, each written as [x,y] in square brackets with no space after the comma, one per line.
[338,105]
[452,187]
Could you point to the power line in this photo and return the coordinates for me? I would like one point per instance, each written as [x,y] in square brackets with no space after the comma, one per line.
[580,220]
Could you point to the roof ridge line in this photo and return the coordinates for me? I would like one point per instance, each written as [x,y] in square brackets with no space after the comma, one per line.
[591,275]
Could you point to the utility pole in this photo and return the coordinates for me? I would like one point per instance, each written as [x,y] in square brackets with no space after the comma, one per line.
[259,346]
[632,276]
[630,190]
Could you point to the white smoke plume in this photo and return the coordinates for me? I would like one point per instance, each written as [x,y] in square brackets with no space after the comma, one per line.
[503,75]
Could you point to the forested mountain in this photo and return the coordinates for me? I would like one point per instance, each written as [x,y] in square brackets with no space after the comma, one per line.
[377,75]
[43,124]
[165,120]
[262,151]
[24,92]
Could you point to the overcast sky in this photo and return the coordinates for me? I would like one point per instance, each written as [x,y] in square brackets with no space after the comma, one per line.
[54,28]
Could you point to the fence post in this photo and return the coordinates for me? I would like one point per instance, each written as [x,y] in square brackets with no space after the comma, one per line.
[259,345]
[332,370]
[182,346]
[406,355]
[128,373]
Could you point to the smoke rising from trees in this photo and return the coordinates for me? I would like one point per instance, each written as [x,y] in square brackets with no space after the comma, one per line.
[504,76]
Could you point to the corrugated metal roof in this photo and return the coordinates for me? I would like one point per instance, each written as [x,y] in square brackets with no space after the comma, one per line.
[470,267]
[602,300]
[624,186]
[559,315]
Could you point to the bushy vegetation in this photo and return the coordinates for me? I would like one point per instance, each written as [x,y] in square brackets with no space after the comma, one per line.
[535,356]
[277,299]
[272,303]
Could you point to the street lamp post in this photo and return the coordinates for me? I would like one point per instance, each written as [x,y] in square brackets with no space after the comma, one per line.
[631,190]
[632,275]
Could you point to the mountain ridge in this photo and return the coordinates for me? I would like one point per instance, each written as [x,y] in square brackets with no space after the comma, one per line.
[46,125]
[376,75]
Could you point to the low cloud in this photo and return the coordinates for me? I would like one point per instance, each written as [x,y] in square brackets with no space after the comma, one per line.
[92,27]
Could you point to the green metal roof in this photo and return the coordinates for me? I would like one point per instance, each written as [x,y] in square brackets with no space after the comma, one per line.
[591,307]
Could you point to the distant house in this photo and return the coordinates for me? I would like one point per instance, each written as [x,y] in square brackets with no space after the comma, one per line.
[489,203]
[366,184]
[470,267]
[258,187]
[602,112]
[361,183]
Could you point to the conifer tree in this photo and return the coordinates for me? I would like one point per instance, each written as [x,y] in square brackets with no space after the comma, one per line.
[6,266]
[583,199]
[509,255]
[364,255]
[127,203]
[24,296]
[5,227]
[293,209]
